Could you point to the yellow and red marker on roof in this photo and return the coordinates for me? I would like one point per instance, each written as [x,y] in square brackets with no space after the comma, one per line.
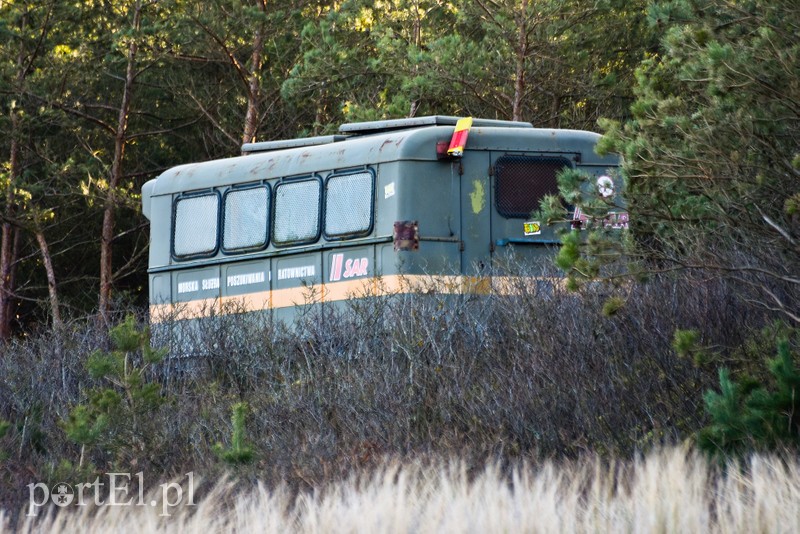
[459,138]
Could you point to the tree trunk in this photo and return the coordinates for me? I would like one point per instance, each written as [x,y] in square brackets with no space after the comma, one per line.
[416,41]
[555,112]
[521,55]
[9,234]
[254,83]
[51,280]
[253,90]
[120,139]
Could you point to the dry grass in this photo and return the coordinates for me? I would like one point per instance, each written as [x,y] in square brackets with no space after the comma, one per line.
[669,491]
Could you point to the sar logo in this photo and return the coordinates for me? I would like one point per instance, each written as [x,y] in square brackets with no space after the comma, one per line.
[352,267]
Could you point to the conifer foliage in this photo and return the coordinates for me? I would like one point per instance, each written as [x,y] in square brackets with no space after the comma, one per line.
[747,415]
[116,416]
[239,451]
[712,166]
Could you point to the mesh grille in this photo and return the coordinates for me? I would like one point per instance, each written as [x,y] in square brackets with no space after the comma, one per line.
[522,181]
[246,215]
[297,211]
[348,204]
[196,221]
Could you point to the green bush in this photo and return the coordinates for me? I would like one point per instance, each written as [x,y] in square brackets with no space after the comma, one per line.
[239,452]
[116,417]
[750,415]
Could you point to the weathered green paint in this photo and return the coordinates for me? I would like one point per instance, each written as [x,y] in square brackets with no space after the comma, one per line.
[452,201]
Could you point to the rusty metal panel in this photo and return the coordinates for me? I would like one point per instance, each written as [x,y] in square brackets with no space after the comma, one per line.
[406,235]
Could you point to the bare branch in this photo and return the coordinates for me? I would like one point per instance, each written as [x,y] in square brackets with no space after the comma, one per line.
[211,118]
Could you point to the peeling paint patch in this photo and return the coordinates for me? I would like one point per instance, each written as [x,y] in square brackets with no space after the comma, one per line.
[477,197]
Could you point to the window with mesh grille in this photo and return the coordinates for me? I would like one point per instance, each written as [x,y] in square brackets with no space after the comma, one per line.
[297,212]
[245,215]
[522,181]
[348,204]
[196,225]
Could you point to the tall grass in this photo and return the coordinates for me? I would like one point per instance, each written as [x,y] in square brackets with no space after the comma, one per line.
[670,490]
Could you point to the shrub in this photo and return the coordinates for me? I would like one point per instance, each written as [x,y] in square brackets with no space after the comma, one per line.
[748,415]
[118,417]
[537,371]
[239,451]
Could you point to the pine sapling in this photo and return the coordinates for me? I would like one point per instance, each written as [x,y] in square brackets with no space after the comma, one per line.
[239,452]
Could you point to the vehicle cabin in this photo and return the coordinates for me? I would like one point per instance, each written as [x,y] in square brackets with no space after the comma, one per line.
[365,212]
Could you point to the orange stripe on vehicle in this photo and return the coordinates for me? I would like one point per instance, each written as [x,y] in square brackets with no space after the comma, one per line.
[260,300]
[342,291]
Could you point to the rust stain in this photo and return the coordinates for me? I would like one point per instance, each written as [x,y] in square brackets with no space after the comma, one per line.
[406,235]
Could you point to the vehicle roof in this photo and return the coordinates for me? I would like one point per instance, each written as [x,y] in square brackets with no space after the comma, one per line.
[417,144]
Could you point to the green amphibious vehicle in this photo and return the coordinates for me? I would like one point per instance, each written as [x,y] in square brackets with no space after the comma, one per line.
[375,210]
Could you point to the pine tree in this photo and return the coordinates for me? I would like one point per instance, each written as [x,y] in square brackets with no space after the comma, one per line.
[711,161]
[118,418]
[746,415]
[240,451]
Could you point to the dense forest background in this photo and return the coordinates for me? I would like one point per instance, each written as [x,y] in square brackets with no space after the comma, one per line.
[97,97]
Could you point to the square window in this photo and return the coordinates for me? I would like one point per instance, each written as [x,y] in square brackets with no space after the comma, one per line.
[246,216]
[196,225]
[297,212]
[522,181]
[348,204]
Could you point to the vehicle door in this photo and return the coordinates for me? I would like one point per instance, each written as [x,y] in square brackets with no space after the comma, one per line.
[475,208]
[519,182]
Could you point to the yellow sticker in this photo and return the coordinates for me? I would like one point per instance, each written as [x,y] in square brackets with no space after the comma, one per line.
[532,228]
